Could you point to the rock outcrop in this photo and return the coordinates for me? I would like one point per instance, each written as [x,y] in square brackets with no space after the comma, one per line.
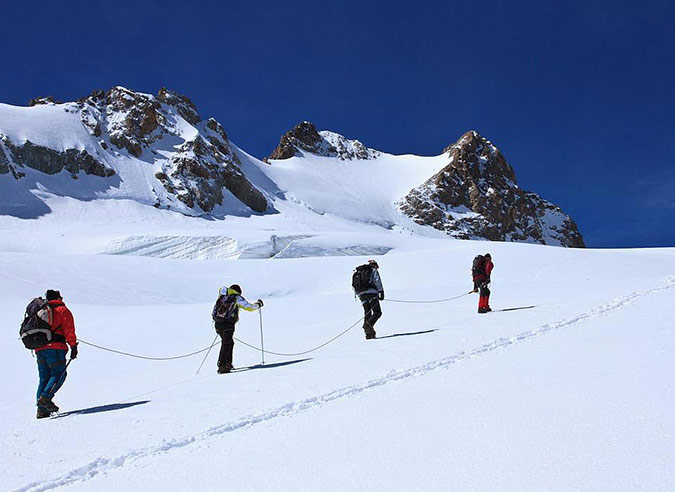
[192,159]
[476,196]
[304,137]
[50,161]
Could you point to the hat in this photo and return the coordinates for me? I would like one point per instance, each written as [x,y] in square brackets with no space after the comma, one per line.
[52,295]
[373,263]
[487,255]
[236,288]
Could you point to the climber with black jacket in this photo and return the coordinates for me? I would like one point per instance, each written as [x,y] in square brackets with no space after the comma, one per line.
[481,270]
[225,315]
[367,285]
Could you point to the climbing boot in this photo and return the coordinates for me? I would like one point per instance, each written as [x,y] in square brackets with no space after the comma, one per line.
[369,330]
[47,404]
[224,369]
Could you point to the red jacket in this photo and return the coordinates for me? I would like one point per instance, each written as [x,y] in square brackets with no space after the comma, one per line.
[488,270]
[62,324]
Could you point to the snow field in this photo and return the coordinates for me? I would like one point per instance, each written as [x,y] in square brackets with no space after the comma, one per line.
[161,307]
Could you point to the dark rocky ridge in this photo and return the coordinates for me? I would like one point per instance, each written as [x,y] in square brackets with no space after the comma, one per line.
[304,137]
[51,162]
[476,196]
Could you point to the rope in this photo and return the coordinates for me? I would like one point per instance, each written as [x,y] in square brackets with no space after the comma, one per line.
[429,302]
[283,354]
[145,357]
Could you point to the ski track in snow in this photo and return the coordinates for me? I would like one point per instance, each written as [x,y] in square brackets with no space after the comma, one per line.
[104,465]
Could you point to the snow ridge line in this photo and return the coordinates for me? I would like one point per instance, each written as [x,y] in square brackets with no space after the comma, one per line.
[103,465]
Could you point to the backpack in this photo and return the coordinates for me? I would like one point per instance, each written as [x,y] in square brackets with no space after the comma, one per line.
[362,278]
[478,267]
[36,328]
[225,308]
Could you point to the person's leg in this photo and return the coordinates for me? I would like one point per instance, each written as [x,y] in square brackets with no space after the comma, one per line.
[228,343]
[485,293]
[367,313]
[222,355]
[57,366]
[375,311]
[43,372]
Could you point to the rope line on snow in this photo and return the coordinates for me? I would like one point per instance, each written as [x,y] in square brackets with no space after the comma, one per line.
[281,354]
[429,302]
[143,356]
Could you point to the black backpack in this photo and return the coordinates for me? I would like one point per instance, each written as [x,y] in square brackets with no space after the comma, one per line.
[36,328]
[478,267]
[225,308]
[362,278]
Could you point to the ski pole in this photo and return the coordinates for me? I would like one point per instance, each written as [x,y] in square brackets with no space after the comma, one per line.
[262,343]
[207,354]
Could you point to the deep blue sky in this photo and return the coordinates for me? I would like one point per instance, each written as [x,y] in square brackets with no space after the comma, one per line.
[577,95]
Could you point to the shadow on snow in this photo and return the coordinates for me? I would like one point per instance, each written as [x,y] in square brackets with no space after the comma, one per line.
[408,334]
[270,366]
[512,309]
[102,408]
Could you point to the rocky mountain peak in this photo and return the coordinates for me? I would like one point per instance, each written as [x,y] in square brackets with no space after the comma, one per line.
[164,136]
[183,104]
[476,196]
[304,137]
[476,156]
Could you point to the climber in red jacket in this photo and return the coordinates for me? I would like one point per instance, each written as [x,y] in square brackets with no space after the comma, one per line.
[481,270]
[51,358]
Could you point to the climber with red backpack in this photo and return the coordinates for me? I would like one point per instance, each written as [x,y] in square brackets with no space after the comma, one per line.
[225,315]
[481,270]
[48,328]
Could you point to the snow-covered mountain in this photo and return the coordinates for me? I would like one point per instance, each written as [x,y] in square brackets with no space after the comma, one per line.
[157,150]
[125,145]
[564,386]
[476,195]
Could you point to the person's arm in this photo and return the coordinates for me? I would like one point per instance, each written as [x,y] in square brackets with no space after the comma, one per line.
[245,305]
[68,327]
[488,270]
[378,283]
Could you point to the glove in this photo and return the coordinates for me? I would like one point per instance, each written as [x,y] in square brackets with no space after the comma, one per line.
[260,303]
[73,352]
[382,296]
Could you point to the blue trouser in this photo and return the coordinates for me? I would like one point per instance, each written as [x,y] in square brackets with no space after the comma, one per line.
[52,370]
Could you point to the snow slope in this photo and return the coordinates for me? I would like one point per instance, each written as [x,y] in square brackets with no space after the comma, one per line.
[565,386]
[571,392]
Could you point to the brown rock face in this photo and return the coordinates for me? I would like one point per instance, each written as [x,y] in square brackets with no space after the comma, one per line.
[305,138]
[185,106]
[4,162]
[141,118]
[476,196]
[50,161]
[43,100]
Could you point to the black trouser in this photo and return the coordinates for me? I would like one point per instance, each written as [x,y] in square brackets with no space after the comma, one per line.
[226,332]
[482,286]
[371,308]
